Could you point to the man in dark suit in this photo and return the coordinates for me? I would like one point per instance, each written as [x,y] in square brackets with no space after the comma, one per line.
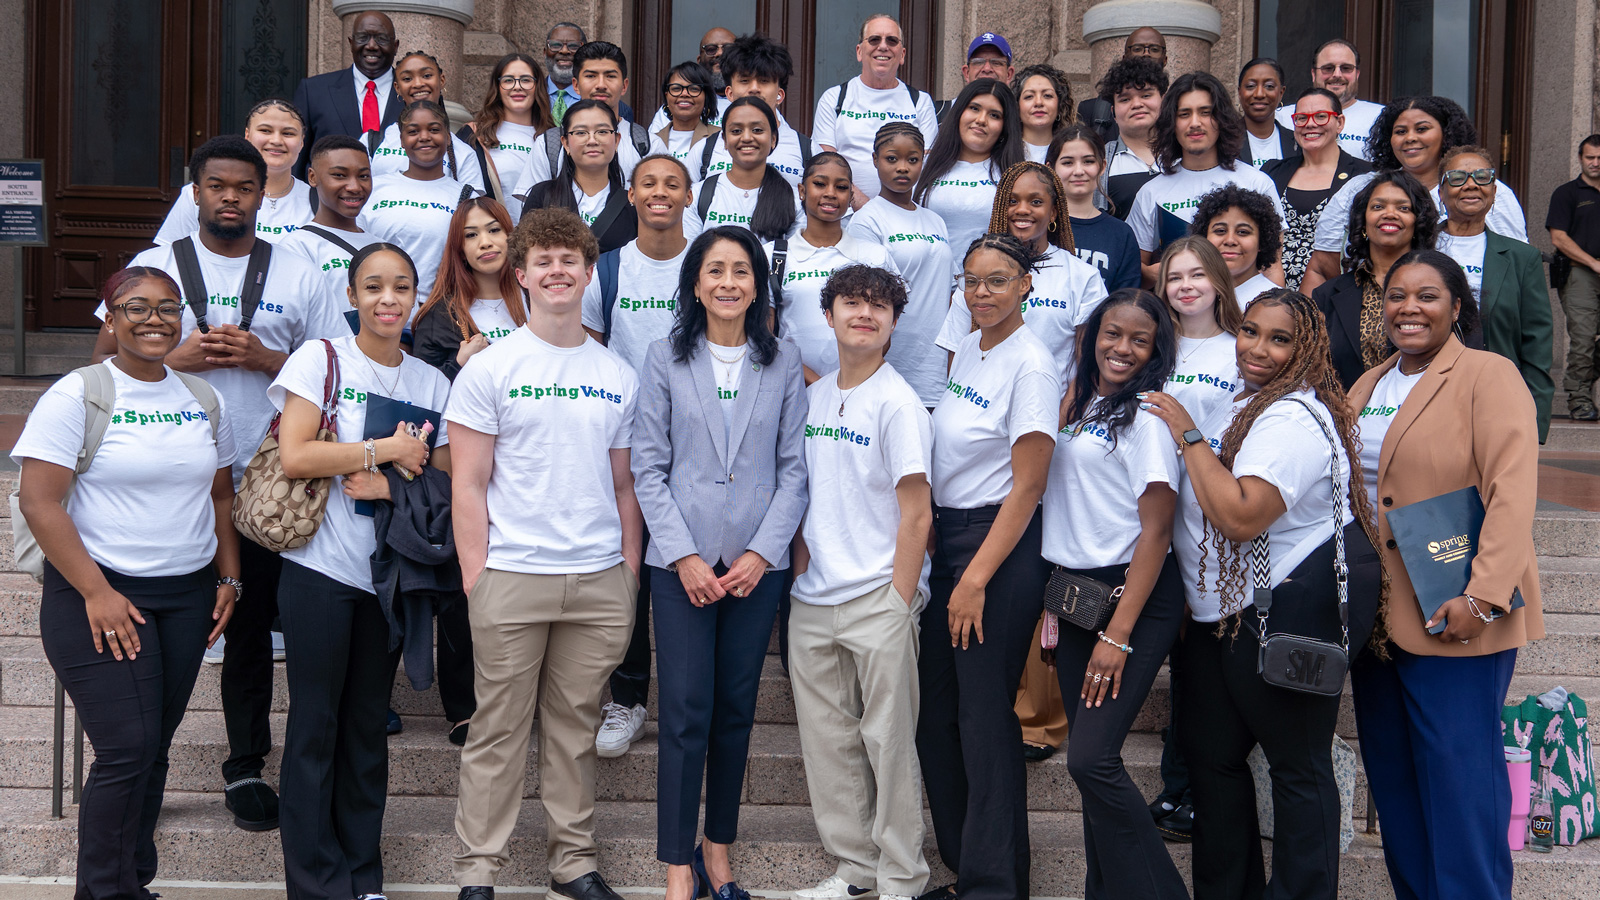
[359,101]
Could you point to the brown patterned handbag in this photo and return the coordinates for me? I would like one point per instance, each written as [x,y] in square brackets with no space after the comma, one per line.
[278,512]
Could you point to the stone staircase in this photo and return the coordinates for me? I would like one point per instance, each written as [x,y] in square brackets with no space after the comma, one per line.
[778,849]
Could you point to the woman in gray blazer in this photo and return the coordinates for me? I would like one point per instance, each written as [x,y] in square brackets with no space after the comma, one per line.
[719,473]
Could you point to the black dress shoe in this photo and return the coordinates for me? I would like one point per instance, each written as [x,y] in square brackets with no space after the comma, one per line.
[476,892]
[1037,752]
[584,887]
[394,726]
[458,734]
[948,892]
[254,804]
[1177,825]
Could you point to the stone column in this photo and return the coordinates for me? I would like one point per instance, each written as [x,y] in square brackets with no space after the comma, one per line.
[435,26]
[1190,27]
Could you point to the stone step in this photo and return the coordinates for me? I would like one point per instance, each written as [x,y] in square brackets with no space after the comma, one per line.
[1569,584]
[423,763]
[1567,533]
[1571,646]
[1573,437]
[778,849]
[17,395]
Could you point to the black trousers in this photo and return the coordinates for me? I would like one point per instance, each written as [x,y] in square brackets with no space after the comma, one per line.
[968,736]
[247,664]
[129,709]
[453,648]
[630,683]
[1126,855]
[1225,709]
[1174,771]
[335,773]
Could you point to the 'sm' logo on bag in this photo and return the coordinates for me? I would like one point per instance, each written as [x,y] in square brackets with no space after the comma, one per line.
[1306,667]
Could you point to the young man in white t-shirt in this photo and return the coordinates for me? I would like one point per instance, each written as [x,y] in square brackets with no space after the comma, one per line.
[240,362]
[632,302]
[755,65]
[341,174]
[849,115]
[853,626]
[550,537]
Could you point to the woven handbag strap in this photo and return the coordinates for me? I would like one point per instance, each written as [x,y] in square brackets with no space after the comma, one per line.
[1261,551]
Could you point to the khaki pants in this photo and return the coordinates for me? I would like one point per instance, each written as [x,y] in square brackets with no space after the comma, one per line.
[854,670]
[550,641]
[1039,705]
[1580,300]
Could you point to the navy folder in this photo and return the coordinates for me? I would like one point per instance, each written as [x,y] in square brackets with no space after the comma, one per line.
[383,416]
[1438,539]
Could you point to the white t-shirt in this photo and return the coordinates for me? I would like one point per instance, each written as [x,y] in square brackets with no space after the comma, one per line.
[415,215]
[1287,449]
[727,365]
[730,205]
[1066,291]
[330,262]
[390,158]
[276,220]
[1166,205]
[919,246]
[679,142]
[1388,395]
[800,315]
[661,119]
[589,207]
[1206,375]
[1091,502]
[556,412]
[786,157]
[855,461]
[143,507]
[539,171]
[646,306]
[511,159]
[993,399]
[342,547]
[1468,251]
[1034,152]
[852,130]
[964,198]
[1505,216]
[492,319]
[1359,117]
[1264,150]
[290,313]
[1258,284]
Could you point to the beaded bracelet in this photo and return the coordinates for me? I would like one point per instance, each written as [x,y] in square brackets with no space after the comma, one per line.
[1125,648]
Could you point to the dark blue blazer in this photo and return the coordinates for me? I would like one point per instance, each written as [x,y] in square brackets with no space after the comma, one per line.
[328,102]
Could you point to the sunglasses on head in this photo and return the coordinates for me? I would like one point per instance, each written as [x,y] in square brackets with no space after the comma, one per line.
[1458,177]
[1320,117]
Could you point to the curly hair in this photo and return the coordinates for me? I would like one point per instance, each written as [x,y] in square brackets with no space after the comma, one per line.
[1449,156]
[1119,409]
[1060,231]
[1455,281]
[1065,112]
[1230,125]
[1358,249]
[1269,229]
[866,282]
[1132,72]
[552,227]
[1453,122]
[1310,367]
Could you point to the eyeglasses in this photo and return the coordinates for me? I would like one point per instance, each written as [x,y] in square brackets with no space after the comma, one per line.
[136,313]
[1342,69]
[1458,177]
[979,62]
[516,81]
[583,134]
[679,90]
[995,283]
[558,46]
[1146,49]
[1320,117]
[366,37]
[886,39]
[714,49]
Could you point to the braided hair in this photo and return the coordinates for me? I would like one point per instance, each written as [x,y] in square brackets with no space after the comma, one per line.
[429,106]
[1060,233]
[896,129]
[1310,367]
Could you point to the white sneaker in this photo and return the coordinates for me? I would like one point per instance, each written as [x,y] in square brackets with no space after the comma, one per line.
[896,897]
[834,888]
[214,654]
[619,730]
[278,654]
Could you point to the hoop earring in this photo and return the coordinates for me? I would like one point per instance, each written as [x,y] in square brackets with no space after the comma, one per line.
[1052,224]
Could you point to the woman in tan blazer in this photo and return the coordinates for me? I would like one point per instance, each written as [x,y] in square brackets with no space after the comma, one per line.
[1437,417]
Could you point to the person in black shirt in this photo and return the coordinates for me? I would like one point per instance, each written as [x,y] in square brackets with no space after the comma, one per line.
[1574,225]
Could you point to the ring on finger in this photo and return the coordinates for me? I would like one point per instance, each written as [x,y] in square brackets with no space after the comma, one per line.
[1098,678]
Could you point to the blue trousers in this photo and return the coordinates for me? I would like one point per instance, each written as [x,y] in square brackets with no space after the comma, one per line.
[708,667]
[1430,741]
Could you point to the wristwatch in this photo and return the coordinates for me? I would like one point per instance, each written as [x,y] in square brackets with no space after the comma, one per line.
[238,586]
[1193,436]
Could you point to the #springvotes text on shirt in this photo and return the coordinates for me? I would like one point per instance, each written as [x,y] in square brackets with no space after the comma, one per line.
[919,245]
[853,128]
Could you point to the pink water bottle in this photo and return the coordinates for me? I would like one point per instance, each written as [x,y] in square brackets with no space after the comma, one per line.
[1519,767]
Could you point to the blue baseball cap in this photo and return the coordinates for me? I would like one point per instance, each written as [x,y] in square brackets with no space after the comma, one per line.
[989,39]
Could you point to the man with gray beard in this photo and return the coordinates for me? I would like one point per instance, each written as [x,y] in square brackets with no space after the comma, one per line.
[560,46]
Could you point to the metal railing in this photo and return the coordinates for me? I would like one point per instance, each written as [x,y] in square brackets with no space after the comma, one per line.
[57,773]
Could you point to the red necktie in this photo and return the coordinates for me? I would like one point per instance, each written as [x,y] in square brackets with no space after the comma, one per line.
[370,120]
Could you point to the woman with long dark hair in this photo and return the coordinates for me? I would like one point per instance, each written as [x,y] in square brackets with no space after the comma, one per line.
[1108,510]
[590,181]
[515,112]
[1102,240]
[1259,473]
[476,299]
[981,140]
[752,192]
[723,488]
[1044,101]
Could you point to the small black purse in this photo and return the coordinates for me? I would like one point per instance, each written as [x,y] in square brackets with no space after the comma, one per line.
[1085,602]
[1306,664]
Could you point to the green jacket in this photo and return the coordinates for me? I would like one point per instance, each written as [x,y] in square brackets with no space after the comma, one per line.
[1516,318]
